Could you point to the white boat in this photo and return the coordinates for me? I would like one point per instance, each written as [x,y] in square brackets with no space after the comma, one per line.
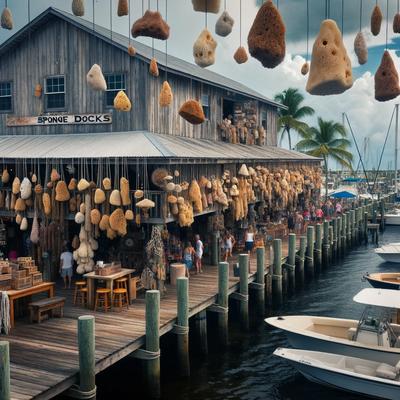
[373,337]
[389,252]
[392,217]
[351,374]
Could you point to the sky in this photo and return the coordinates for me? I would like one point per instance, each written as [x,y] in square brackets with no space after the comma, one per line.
[369,119]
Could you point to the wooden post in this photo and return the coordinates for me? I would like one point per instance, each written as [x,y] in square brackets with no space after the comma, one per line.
[334,238]
[244,289]
[223,275]
[153,342]
[310,252]
[339,238]
[200,323]
[259,286]
[382,209]
[318,245]
[291,262]
[182,328]
[300,260]
[365,227]
[215,249]
[344,233]
[348,230]
[353,227]
[277,271]
[5,391]
[326,247]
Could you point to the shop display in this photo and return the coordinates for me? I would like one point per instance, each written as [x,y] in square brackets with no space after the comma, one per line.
[376,20]
[204,49]
[224,24]
[151,25]
[386,79]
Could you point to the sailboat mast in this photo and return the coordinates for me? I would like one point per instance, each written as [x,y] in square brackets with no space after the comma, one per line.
[396,150]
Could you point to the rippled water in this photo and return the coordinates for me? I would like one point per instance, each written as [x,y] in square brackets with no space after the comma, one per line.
[246,369]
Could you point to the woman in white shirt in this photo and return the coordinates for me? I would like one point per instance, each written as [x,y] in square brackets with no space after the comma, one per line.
[66,267]
[249,240]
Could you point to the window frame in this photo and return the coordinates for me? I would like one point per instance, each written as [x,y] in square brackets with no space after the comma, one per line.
[124,76]
[47,109]
[207,107]
[11,110]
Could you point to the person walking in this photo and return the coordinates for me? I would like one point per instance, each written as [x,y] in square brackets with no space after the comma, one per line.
[66,266]
[229,242]
[188,254]
[249,240]
[199,246]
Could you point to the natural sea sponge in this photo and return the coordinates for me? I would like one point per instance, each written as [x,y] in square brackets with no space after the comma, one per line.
[95,216]
[24,224]
[129,216]
[78,8]
[122,102]
[192,111]
[16,185]
[104,222]
[83,184]
[79,218]
[330,71]
[361,48]
[20,205]
[195,196]
[123,8]
[118,222]
[166,95]
[46,204]
[95,78]
[153,69]
[62,193]
[72,204]
[151,25]
[106,183]
[6,19]
[99,196]
[38,91]
[125,191]
[54,175]
[305,68]
[72,184]
[115,198]
[376,20]
[266,37]
[5,176]
[131,50]
[224,24]
[386,79]
[240,55]
[396,23]
[204,49]
[25,188]
[210,6]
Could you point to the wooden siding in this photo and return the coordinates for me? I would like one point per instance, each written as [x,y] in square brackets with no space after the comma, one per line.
[60,48]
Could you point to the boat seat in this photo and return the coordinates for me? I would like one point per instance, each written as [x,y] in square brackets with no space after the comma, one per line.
[364,370]
[351,333]
[386,371]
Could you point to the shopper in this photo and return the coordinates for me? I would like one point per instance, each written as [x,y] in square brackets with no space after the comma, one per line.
[188,254]
[291,222]
[199,254]
[66,266]
[229,242]
[249,240]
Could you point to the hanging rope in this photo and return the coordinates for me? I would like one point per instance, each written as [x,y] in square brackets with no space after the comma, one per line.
[111,22]
[206,13]
[93,6]
[387,22]
[308,30]
[225,5]
[342,17]
[129,25]
[240,23]
[398,6]
[361,9]
[166,42]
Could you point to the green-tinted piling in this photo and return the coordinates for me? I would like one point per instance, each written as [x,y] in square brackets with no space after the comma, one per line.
[182,328]
[310,271]
[223,302]
[277,271]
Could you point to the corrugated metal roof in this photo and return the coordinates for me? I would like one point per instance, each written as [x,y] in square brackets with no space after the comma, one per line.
[175,64]
[136,144]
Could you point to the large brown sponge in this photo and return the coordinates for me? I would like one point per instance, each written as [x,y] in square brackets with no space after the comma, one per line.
[240,55]
[123,8]
[361,48]
[266,38]
[376,20]
[6,19]
[396,23]
[192,111]
[151,25]
[78,8]
[386,79]
[330,70]
[211,6]
[166,96]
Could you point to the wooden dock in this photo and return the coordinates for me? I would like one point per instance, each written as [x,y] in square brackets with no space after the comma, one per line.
[44,357]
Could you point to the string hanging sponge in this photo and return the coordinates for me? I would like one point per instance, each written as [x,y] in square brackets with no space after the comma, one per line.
[396,23]
[192,112]
[376,20]
[361,48]
[62,193]
[386,79]
[123,8]
[153,69]
[125,191]
[122,102]
[266,37]
[305,68]
[240,55]
[166,96]
[204,49]
[224,24]
[151,25]
[78,8]
[330,70]
[131,51]
[6,20]
[209,6]
[95,78]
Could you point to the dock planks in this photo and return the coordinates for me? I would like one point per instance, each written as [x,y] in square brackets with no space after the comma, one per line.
[44,357]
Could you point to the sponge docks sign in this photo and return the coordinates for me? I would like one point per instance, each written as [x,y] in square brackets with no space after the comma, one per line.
[61,119]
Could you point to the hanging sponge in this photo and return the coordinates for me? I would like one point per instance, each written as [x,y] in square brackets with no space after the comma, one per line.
[330,71]
[266,38]
[210,6]
[192,111]
[78,8]
[204,49]
[153,69]
[386,79]
[224,24]
[123,8]
[305,68]
[95,78]
[361,48]
[6,19]
[396,23]
[151,25]
[122,102]
[376,20]
[166,95]
[240,55]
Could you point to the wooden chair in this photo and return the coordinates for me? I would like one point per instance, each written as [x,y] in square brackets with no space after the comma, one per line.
[78,285]
[121,283]
[82,297]
[120,298]
[103,299]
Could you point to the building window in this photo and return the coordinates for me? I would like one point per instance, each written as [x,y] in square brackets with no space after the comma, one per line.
[264,119]
[55,93]
[115,83]
[5,97]
[205,101]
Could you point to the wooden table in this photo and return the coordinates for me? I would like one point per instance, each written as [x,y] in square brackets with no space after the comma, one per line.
[109,279]
[17,294]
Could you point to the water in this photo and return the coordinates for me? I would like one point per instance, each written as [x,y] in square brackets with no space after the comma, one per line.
[247,370]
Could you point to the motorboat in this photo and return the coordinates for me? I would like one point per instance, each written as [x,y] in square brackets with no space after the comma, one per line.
[392,217]
[351,374]
[389,252]
[385,280]
[373,337]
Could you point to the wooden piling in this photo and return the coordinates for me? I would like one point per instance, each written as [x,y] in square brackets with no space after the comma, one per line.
[382,212]
[344,233]
[326,246]
[353,227]
[200,327]
[215,248]
[348,231]
[300,260]
[182,327]
[277,271]
[318,245]
[291,262]
[334,238]
[153,343]
[259,284]
[310,253]
[365,227]
[339,238]
[244,290]
[223,280]
[5,391]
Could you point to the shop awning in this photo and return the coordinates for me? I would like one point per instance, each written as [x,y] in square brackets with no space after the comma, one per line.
[136,144]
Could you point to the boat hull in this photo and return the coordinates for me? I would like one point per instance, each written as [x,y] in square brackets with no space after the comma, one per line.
[381,284]
[392,219]
[390,257]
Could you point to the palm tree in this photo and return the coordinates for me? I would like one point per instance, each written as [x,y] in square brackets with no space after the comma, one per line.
[290,118]
[326,141]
